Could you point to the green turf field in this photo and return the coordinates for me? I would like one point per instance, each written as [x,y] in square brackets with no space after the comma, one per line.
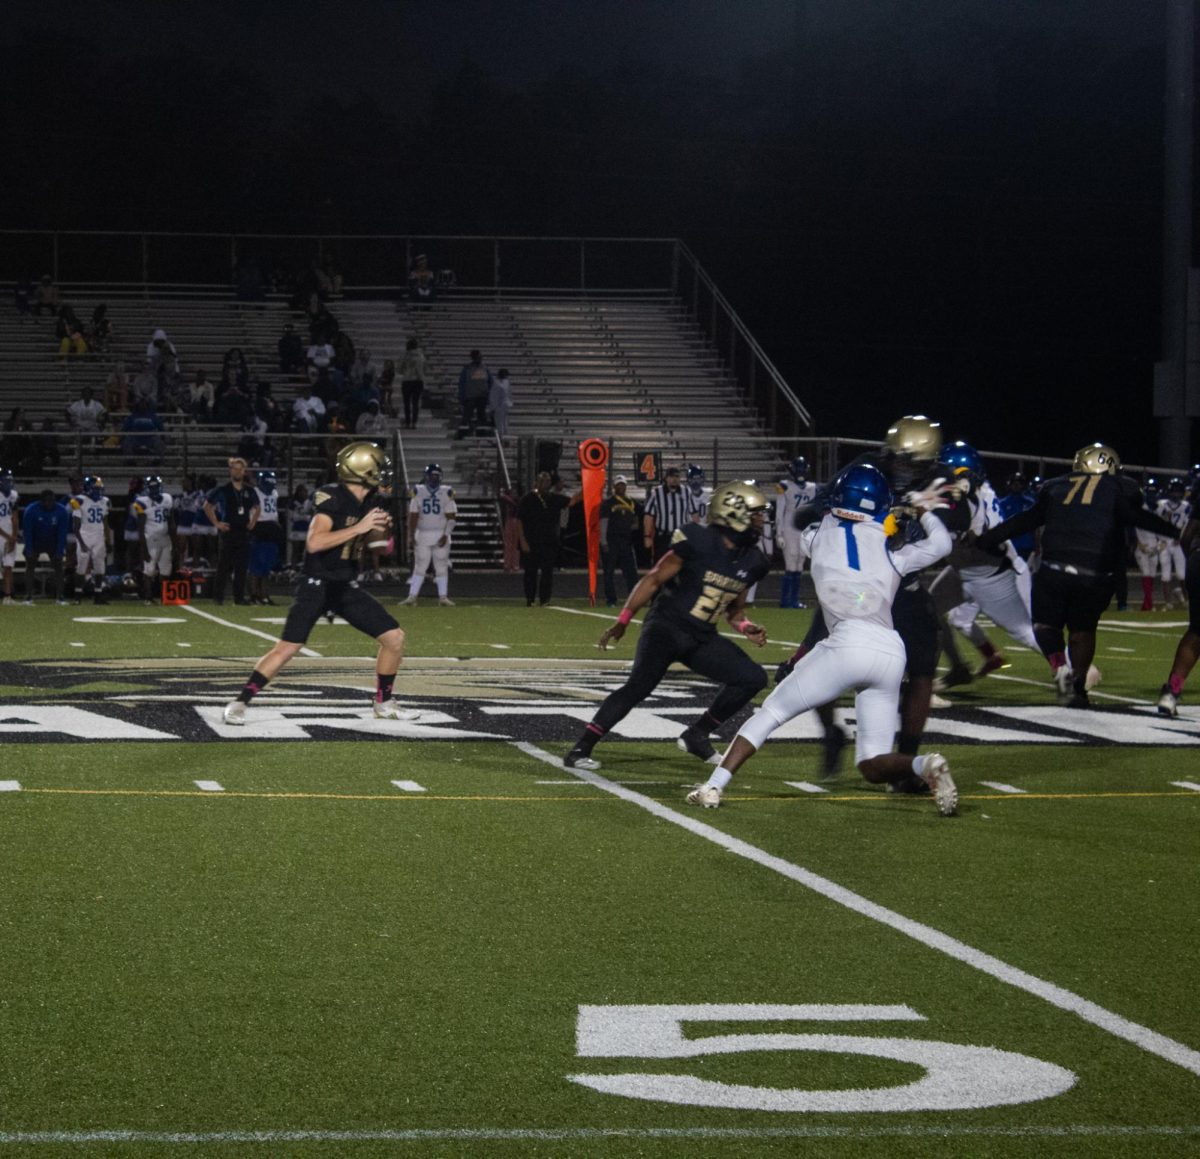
[329,935]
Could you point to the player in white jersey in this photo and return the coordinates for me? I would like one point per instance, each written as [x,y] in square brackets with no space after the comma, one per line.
[267,539]
[89,512]
[793,493]
[300,513]
[998,584]
[701,493]
[431,515]
[1174,508]
[857,574]
[9,531]
[154,509]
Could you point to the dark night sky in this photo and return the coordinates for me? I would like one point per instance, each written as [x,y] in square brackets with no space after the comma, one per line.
[949,205]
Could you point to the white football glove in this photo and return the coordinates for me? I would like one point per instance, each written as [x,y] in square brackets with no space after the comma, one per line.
[936,495]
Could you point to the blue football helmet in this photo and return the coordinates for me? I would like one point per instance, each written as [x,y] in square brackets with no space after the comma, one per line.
[798,469]
[433,476]
[695,477]
[154,486]
[93,487]
[1152,491]
[266,481]
[1176,489]
[962,459]
[6,480]
[860,494]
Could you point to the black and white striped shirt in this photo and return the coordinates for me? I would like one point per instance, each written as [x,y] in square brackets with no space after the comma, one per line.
[671,509]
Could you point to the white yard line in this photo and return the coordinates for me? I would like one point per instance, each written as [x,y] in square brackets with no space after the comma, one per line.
[1178,784]
[1148,1040]
[10,786]
[1000,787]
[243,628]
[209,786]
[806,786]
[593,1134]
[409,786]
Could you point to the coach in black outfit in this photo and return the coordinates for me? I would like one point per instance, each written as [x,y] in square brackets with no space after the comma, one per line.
[537,525]
[233,509]
[620,518]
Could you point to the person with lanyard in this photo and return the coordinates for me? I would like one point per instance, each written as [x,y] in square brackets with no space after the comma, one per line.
[620,517]
[344,513]
[538,526]
[233,510]
[670,507]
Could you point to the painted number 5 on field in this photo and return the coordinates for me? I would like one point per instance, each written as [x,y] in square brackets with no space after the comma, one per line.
[956,1078]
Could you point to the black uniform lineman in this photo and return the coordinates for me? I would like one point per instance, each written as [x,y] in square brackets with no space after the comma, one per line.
[703,577]
[1084,517]
[343,512]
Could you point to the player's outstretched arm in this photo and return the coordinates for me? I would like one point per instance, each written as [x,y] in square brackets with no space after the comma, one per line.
[644,591]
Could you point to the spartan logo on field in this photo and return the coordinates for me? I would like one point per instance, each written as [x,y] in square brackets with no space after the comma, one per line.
[459,698]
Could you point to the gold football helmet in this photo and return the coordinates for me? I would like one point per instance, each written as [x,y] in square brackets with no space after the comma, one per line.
[364,464]
[1096,459]
[734,505]
[916,436]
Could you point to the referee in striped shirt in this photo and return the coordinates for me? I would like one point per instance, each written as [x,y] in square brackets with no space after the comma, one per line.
[669,507]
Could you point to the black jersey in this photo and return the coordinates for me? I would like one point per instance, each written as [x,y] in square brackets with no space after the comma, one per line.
[712,577]
[336,501]
[1083,518]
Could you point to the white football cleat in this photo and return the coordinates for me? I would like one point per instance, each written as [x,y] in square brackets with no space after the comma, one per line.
[411,602]
[574,761]
[235,712]
[1064,681]
[390,710]
[706,796]
[446,602]
[1168,702]
[937,777]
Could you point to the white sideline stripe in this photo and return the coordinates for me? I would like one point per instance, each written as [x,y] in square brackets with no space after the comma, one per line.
[409,786]
[1149,1040]
[1000,787]
[1178,784]
[1114,648]
[10,786]
[433,1134]
[637,623]
[209,786]
[806,786]
[242,628]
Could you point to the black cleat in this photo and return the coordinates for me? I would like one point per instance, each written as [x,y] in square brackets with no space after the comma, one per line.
[695,742]
[958,674]
[1079,699]
[577,759]
[831,754]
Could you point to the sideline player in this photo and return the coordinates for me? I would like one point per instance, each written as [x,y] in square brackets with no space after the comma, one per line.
[154,509]
[342,513]
[266,540]
[1175,509]
[794,492]
[9,498]
[1188,650]
[431,515]
[93,535]
[704,575]
[1148,548]
[1084,517]
[857,576]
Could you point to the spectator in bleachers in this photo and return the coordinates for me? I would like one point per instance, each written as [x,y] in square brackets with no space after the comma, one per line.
[44,527]
[23,298]
[291,351]
[385,386]
[319,357]
[201,398]
[161,355]
[371,424]
[234,405]
[322,325]
[308,411]
[145,388]
[86,415]
[68,330]
[500,402]
[16,447]
[45,446]
[363,369]
[474,387]
[422,284]
[412,381]
[268,409]
[235,368]
[343,359]
[100,331]
[116,388]
[45,297]
[253,444]
[142,431]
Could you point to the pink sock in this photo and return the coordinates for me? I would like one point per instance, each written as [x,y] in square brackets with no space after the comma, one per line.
[1175,683]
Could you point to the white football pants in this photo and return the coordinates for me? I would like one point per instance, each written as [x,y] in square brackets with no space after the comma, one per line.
[1004,597]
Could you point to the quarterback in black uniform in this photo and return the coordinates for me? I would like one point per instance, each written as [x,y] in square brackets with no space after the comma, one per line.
[1084,517]
[343,512]
[705,575]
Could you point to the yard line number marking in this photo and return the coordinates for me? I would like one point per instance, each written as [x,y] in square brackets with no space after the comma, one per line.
[1142,1036]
